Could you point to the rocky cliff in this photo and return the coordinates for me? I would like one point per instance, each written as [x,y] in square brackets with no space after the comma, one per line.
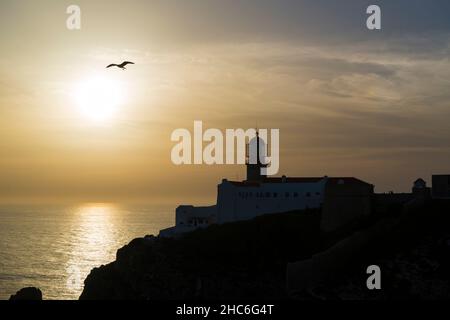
[248,260]
[238,260]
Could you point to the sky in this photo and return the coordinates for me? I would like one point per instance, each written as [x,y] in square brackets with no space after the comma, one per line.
[348,101]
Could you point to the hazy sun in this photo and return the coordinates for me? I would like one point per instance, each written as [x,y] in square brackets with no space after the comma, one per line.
[98,98]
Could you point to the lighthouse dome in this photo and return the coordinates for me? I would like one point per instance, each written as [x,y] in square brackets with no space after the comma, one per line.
[255,146]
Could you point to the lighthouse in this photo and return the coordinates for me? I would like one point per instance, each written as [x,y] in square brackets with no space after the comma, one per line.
[255,159]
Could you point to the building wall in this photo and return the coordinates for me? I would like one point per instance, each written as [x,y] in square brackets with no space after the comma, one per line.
[441,186]
[385,202]
[226,202]
[190,216]
[236,203]
[344,202]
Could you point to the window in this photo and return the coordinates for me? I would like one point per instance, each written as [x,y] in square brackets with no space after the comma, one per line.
[295,194]
[275,195]
[308,194]
[287,194]
[267,194]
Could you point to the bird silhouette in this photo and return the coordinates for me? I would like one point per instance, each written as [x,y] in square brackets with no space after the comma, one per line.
[121,66]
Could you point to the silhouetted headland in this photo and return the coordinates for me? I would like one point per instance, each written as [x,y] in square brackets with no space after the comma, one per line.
[258,258]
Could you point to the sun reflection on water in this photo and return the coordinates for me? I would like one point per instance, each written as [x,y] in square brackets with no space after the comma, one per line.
[55,247]
[91,236]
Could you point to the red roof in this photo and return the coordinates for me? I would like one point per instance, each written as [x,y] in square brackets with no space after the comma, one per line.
[294,180]
[346,180]
[334,180]
[244,183]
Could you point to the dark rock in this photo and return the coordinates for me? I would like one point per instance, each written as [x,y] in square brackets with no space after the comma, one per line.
[27,294]
[248,259]
[237,260]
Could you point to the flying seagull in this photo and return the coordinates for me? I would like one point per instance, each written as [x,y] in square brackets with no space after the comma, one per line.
[121,66]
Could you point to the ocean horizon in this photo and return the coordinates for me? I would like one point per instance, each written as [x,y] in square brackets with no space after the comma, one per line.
[54,248]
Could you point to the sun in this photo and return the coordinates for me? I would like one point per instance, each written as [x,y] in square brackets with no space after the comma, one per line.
[98,98]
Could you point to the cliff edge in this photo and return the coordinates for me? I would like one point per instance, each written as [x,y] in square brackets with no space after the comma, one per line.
[236,260]
[249,259]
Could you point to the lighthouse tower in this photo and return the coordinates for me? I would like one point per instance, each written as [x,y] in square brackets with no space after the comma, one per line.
[255,159]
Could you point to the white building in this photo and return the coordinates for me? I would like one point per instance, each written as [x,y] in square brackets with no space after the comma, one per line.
[258,195]
[246,200]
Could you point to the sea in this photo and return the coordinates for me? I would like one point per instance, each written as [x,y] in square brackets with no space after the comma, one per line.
[55,247]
